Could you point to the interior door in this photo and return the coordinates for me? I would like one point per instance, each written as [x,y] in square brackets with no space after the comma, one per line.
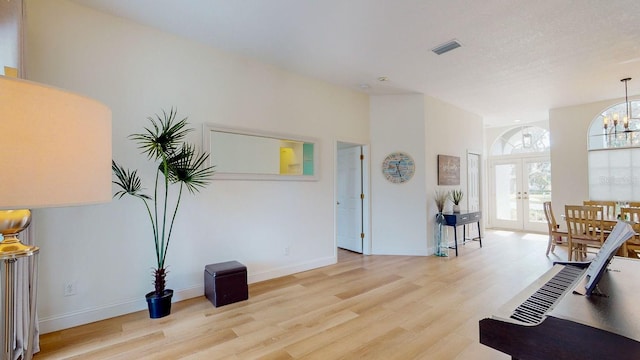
[349,203]
[473,188]
[519,188]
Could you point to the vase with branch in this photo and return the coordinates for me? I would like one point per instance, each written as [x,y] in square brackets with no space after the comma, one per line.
[441,245]
[177,164]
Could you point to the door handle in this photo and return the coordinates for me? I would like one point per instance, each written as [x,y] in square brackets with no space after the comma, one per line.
[337,202]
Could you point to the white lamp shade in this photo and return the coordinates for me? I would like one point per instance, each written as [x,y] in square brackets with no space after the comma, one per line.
[55,147]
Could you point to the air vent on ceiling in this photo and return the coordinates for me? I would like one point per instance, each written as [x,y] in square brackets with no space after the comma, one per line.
[446,47]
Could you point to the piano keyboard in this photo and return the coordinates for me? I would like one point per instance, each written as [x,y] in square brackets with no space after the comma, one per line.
[533,310]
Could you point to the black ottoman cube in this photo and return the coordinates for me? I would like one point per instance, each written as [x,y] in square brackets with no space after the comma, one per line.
[225,283]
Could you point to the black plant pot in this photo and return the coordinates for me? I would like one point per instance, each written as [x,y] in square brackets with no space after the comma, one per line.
[159,306]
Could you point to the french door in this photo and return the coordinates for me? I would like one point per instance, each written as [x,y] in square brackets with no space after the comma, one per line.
[519,187]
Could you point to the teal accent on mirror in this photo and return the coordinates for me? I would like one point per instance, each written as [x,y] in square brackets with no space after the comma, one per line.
[307,159]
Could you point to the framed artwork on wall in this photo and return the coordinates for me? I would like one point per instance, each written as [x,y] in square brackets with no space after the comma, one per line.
[448,170]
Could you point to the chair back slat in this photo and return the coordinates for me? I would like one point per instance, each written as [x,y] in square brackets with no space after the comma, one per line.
[608,207]
[585,222]
[632,214]
[548,213]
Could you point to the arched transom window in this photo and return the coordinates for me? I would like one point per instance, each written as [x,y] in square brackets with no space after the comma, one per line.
[520,140]
[614,154]
[612,129]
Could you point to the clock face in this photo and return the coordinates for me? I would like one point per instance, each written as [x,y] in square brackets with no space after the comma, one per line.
[398,167]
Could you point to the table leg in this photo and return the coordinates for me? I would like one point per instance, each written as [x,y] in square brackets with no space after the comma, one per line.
[479,234]
[455,238]
[464,234]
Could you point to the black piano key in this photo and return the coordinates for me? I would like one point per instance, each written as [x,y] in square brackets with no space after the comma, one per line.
[542,301]
[535,307]
[551,291]
[544,297]
[527,317]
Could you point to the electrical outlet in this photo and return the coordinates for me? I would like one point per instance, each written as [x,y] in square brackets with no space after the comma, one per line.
[70,288]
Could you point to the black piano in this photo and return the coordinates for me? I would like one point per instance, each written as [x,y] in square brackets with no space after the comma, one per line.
[566,315]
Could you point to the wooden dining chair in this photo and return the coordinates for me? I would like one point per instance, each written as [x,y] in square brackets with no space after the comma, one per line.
[634,204]
[584,224]
[554,228]
[632,214]
[608,207]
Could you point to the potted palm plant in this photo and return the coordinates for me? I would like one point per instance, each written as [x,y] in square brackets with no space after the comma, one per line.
[177,164]
[456,198]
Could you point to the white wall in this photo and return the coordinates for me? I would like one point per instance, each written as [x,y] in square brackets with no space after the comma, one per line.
[398,211]
[569,128]
[449,131]
[403,215]
[138,71]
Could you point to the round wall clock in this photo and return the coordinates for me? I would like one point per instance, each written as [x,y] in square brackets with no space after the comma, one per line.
[398,167]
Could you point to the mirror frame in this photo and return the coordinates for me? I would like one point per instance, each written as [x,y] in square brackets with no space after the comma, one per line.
[208,128]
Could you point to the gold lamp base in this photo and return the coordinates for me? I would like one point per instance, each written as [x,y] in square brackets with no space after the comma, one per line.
[12,222]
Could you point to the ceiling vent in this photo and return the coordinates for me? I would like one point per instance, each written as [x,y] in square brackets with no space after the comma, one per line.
[446,47]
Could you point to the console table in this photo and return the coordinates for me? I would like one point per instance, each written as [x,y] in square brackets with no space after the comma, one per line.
[462,218]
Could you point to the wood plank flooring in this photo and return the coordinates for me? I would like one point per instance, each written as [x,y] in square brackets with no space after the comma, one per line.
[369,307]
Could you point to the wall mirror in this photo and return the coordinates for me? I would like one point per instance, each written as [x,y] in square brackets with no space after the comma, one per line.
[253,155]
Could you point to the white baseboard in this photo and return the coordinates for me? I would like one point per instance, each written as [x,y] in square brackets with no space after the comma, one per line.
[86,316]
[89,315]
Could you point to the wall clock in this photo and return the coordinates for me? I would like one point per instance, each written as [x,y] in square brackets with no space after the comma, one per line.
[398,167]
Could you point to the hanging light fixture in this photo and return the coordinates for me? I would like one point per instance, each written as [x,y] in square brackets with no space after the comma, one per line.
[615,118]
[526,140]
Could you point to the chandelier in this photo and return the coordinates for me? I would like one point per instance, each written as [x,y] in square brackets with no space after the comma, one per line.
[615,117]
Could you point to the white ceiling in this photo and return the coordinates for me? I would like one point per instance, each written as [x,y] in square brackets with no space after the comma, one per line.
[519,58]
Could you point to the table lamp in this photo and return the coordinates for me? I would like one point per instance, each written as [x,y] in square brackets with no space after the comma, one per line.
[55,150]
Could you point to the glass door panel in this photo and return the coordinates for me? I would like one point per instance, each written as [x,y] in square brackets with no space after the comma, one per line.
[537,190]
[520,187]
[506,190]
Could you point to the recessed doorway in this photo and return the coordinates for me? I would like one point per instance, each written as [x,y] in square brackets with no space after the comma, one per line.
[352,198]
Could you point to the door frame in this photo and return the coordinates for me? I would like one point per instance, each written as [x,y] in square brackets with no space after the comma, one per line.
[472,231]
[366,186]
[520,161]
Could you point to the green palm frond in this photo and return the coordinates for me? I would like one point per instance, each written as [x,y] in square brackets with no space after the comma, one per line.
[187,167]
[456,196]
[164,137]
[128,181]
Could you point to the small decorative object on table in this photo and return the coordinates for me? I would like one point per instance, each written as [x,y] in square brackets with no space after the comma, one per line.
[456,198]
[442,247]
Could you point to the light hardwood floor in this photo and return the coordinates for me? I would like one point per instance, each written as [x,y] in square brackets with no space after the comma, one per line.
[372,307]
